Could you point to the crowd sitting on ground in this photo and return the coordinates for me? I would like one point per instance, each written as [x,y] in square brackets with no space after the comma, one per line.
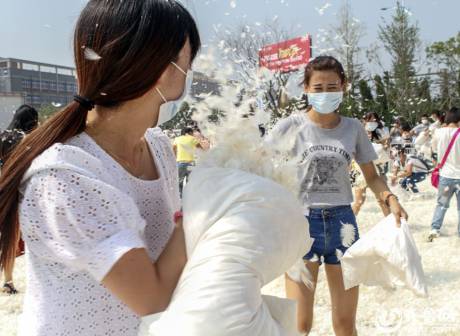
[407,155]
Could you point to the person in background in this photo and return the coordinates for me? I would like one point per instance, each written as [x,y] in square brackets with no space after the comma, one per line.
[409,168]
[423,140]
[406,134]
[379,135]
[422,126]
[184,148]
[376,128]
[449,175]
[396,129]
[438,120]
[326,143]
[25,120]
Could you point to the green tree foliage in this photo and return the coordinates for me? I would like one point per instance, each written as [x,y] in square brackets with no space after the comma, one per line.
[381,99]
[401,40]
[183,118]
[446,52]
[46,111]
[445,55]
[367,103]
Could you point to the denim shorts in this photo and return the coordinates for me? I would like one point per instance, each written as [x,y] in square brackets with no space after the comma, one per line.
[326,227]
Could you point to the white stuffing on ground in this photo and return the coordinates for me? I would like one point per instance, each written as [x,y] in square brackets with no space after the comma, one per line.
[380,312]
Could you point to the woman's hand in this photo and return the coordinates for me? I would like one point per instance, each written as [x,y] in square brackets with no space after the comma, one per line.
[397,210]
[380,189]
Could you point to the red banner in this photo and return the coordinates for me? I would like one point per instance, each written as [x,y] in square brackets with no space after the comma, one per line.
[286,56]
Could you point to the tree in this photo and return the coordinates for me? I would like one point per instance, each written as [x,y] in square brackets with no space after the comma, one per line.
[344,39]
[348,34]
[381,99]
[366,98]
[183,118]
[46,111]
[401,40]
[425,102]
[241,47]
[446,52]
[445,55]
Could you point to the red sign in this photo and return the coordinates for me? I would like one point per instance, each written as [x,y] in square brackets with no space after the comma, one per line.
[287,55]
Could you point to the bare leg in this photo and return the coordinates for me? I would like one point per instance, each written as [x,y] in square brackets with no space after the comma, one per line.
[8,280]
[304,297]
[344,303]
[8,273]
[360,198]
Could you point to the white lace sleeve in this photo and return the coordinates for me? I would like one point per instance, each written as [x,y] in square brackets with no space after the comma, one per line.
[79,221]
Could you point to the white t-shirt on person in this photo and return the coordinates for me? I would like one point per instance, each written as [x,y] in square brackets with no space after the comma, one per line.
[80,212]
[440,142]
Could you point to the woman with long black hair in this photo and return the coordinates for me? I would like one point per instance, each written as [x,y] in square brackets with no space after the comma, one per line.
[94,189]
[25,120]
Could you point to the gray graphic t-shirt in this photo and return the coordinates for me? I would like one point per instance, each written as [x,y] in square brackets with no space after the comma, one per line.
[325,156]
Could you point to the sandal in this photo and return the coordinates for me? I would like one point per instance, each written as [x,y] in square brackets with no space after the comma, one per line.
[9,288]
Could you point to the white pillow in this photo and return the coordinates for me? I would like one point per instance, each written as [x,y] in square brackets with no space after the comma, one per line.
[242,231]
[385,256]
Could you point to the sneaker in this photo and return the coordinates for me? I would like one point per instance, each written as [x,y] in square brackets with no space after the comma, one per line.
[433,234]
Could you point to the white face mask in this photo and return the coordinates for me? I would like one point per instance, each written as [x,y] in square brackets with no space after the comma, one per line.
[169,109]
[425,122]
[325,102]
[371,126]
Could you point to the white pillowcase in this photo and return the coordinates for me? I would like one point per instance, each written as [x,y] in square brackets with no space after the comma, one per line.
[385,256]
[242,231]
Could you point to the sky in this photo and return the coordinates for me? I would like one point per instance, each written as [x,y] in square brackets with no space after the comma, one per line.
[41,30]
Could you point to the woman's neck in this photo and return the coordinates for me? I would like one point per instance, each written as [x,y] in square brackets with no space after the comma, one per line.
[329,121]
[452,125]
[122,129]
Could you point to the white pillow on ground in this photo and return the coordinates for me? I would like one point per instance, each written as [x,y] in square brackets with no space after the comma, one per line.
[385,256]
[242,231]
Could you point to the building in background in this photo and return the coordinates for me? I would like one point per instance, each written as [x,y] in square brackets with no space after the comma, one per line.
[39,83]
[9,103]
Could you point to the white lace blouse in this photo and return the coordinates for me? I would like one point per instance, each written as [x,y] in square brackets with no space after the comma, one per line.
[80,211]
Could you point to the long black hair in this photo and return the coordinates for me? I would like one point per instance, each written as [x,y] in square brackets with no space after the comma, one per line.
[453,116]
[25,120]
[324,63]
[375,136]
[121,50]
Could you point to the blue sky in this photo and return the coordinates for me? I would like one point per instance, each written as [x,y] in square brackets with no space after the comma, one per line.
[41,30]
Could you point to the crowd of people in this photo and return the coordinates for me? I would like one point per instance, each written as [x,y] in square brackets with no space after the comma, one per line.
[407,155]
[95,191]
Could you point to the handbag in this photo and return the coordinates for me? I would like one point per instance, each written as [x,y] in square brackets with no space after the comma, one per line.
[435,173]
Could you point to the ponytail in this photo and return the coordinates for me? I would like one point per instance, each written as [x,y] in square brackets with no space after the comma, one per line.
[118,74]
[59,128]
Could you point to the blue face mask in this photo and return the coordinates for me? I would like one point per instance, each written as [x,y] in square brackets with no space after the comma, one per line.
[325,102]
